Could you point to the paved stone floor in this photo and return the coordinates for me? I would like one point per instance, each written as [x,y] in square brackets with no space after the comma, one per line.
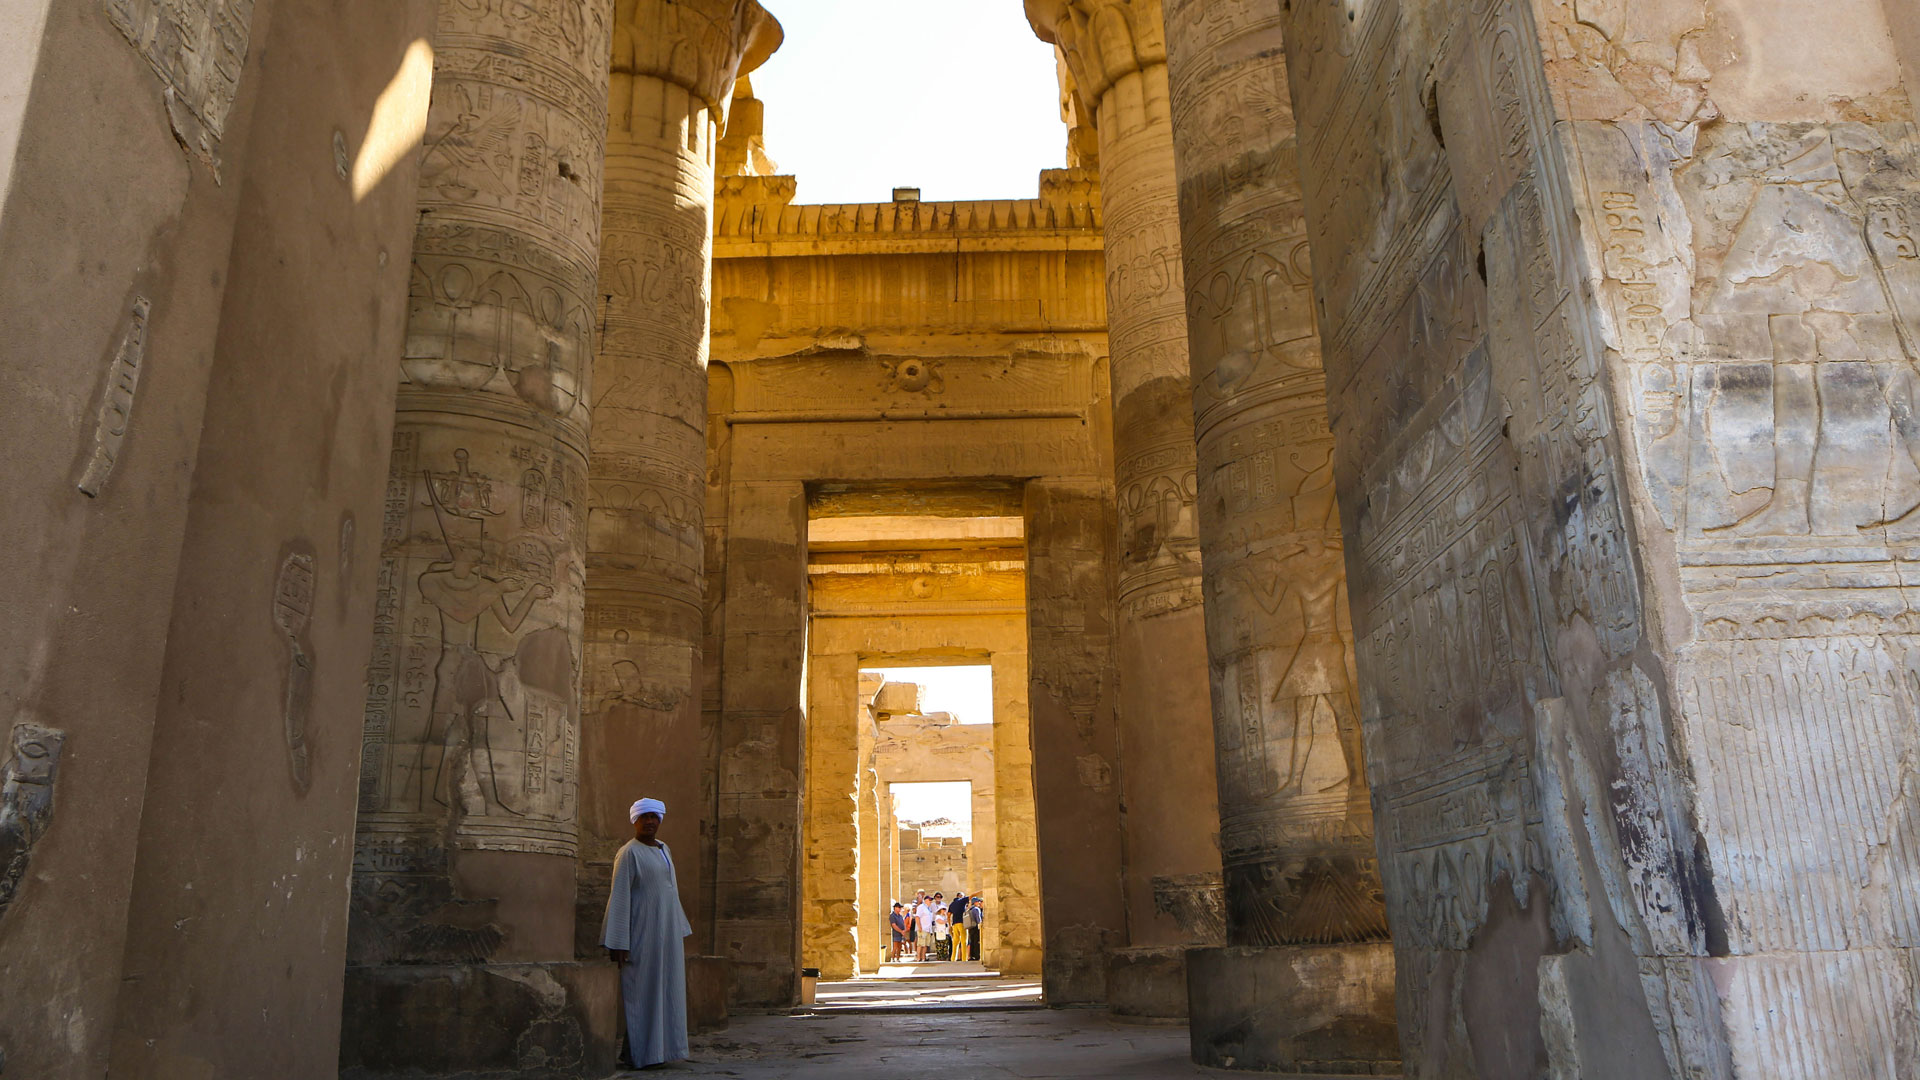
[927,993]
[1014,1045]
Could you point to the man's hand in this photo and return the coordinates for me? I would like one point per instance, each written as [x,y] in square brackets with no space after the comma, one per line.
[618,956]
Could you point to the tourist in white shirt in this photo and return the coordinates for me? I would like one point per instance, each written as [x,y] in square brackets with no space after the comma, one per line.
[923,918]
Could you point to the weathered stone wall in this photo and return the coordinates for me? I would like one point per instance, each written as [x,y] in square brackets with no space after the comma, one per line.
[1745,178]
[184,395]
[1614,306]
[937,867]
[830,868]
[232,926]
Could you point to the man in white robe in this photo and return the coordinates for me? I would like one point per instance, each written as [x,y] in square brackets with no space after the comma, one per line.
[644,932]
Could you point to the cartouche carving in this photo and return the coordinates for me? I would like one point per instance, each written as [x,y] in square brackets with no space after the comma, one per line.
[116,400]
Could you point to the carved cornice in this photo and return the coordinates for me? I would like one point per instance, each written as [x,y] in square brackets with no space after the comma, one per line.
[701,46]
[1101,41]
[760,210]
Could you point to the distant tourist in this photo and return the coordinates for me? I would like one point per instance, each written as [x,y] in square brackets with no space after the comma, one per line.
[643,933]
[976,914]
[959,907]
[923,924]
[943,934]
[898,921]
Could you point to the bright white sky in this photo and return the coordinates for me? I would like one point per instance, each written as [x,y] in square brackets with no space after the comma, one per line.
[955,97]
[925,802]
[966,692]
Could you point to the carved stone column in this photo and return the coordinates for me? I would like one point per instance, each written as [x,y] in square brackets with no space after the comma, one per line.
[469,811]
[1115,54]
[1302,886]
[674,66]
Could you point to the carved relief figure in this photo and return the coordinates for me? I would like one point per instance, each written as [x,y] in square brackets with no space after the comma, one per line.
[26,801]
[468,688]
[475,152]
[1314,693]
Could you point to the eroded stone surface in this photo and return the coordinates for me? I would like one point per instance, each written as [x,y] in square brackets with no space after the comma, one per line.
[1024,1044]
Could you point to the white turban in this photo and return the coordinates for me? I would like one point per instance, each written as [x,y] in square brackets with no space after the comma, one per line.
[647,806]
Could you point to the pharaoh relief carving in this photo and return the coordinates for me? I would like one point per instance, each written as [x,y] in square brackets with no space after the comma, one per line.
[1774,376]
[479,607]
[1773,370]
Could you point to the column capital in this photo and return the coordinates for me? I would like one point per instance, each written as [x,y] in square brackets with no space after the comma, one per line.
[1101,41]
[701,46]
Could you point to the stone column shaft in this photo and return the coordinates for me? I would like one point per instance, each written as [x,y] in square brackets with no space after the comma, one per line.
[472,722]
[1296,832]
[469,808]
[1114,51]
[830,862]
[673,70]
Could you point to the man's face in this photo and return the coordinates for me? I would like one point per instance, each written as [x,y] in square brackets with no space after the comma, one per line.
[647,827]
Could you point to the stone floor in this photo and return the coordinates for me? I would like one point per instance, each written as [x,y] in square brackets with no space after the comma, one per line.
[927,993]
[1000,1045]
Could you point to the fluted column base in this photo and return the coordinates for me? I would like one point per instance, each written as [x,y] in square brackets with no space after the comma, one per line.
[556,1021]
[1314,1009]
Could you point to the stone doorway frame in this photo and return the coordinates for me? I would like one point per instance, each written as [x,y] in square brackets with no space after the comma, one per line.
[840,647]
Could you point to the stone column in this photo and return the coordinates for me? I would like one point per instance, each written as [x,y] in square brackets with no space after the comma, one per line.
[870,908]
[674,66]
[1011,941]
[1115,53]
[1074,742]
[830,866]
[762,726]
[469,786]
[1302,889]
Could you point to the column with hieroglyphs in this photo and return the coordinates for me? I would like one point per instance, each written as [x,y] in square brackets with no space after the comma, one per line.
[673,73]
[1113,52]
[1296,830]
[469,802]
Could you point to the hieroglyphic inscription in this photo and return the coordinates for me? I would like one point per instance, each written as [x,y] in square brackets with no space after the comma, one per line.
[116,400]
[198,48]
[293,593]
